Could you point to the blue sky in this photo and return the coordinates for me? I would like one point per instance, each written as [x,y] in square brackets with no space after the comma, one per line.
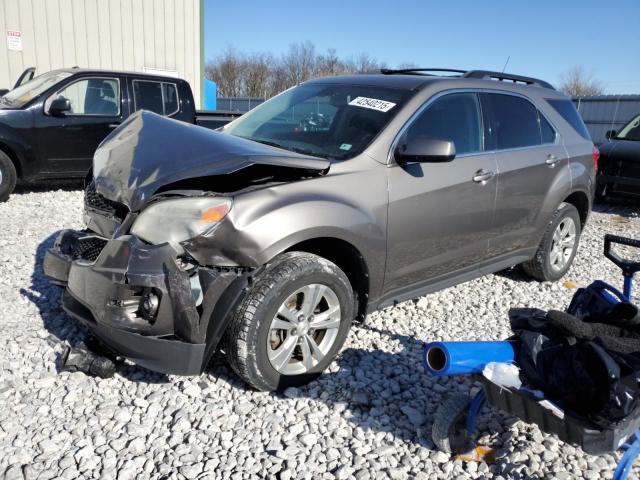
[543,38]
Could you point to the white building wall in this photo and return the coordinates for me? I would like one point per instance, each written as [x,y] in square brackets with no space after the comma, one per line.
[137,35]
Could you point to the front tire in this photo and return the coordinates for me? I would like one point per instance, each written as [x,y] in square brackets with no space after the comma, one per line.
[291,323]
[8,177]
[558,246]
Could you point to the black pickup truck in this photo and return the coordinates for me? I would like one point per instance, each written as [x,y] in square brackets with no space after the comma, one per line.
[51,125]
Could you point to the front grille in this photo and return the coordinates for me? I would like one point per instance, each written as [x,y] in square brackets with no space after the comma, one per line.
[87,248]
[96,201]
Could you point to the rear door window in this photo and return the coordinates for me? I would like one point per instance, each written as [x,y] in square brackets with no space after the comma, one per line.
[516,121]
[157,97]
[568,111]
[454,117]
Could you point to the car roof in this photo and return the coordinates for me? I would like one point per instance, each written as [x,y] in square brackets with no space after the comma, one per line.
[405,82]
[413,82]
[97,71]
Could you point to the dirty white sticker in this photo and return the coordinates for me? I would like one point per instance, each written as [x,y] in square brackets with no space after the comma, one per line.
[372,103]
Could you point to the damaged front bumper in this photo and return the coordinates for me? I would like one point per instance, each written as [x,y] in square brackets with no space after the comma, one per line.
[143,301]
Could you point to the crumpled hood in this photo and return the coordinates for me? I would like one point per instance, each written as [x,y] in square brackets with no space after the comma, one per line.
[149,151]
[625,150]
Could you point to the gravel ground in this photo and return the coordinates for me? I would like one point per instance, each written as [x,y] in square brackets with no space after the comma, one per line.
[370,416]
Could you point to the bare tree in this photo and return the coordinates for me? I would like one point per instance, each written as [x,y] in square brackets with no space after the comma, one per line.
[255,74]
[300,62]
[577,82]
[226,71]
[406,66]
[330,64]
[260,74]
[363,63]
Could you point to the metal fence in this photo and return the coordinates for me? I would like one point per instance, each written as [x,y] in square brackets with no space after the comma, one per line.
[237,104]
[606,112]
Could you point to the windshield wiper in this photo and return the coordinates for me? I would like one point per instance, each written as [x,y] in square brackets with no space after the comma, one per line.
[290,148]
[267,142]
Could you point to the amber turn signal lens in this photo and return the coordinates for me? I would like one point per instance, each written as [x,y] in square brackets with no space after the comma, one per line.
[214,214]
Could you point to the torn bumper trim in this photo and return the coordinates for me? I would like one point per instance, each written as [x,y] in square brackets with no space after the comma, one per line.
[108,287]
[165,355]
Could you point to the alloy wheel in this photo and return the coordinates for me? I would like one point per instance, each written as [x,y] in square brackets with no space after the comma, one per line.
[563,244]
[304,329]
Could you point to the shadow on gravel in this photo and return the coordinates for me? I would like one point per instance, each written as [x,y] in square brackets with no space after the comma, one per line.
[63,328]
[515,274]
[390,394]
[47,186]
[618,205]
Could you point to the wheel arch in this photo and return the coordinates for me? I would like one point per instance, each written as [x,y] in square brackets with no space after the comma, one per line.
[13,156]
[348,258]
[580,200]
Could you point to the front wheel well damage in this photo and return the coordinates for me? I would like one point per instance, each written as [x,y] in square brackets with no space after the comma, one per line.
[348,259]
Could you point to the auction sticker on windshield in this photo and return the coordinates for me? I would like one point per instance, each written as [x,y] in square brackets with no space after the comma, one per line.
[372,103]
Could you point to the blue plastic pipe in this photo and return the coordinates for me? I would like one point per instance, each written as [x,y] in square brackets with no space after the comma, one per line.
[464,358]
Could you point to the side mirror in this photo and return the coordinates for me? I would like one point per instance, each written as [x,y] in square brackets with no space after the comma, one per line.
[59,106]
[610,134]
[425,149]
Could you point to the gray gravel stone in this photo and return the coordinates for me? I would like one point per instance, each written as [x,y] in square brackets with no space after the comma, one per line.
[369,417]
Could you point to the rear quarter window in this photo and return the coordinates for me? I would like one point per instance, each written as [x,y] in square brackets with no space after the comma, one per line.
[568,111]
[546,130]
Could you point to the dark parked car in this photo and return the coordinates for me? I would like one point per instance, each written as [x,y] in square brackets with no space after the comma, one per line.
[619,172]
[24,77]
[51,125]
[338,197]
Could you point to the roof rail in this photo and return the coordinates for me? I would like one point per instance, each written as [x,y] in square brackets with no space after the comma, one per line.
[486,74]
[419,71]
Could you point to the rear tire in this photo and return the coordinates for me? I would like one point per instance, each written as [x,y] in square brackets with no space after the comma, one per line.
[558,247]
[8,177]
[276,339]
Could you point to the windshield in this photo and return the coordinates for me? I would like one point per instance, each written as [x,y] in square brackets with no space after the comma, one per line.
[25,93]
[631,131]
[324,120]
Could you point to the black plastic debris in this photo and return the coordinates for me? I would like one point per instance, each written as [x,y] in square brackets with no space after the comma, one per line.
[591,369]
[86,361]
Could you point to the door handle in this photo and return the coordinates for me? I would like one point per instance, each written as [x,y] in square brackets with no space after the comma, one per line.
[551,160]
[483,177]
[114,125]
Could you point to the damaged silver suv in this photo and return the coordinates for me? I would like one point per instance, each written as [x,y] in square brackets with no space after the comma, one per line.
[336,198]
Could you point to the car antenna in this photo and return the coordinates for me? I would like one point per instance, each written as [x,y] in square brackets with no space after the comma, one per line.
[506,63]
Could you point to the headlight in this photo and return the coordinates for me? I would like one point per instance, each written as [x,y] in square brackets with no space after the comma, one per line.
[180,219]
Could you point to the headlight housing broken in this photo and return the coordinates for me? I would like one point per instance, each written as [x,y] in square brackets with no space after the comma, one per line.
[181,219]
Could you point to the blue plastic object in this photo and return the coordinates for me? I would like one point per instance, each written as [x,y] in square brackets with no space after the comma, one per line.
[474,410]
[626,462]
[464,358]
[210,94]
[628,286]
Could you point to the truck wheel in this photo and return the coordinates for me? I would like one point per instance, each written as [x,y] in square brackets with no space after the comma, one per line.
[291,323]
[558,246]
[8,177]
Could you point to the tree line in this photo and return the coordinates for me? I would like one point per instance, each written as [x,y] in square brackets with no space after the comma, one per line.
[262,74]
